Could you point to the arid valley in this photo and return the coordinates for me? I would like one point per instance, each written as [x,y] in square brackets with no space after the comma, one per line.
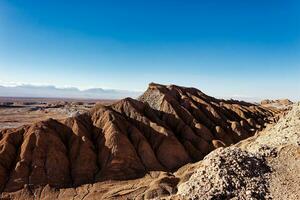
[149,100]
[16,111]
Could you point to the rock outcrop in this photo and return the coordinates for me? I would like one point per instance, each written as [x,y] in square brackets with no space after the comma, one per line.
[265,166]
[166,128]
[228,173]
[278,101]
[279,104]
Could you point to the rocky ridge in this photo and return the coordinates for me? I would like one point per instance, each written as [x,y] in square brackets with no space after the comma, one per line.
[166,128]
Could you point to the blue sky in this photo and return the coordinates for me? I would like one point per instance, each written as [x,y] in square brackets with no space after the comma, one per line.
[226,48]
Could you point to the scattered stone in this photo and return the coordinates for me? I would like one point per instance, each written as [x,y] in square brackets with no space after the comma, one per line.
[228,173]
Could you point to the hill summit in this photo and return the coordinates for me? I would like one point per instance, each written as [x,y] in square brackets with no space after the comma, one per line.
[164,129]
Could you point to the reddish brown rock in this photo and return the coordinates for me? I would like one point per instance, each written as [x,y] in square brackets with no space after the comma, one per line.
[168,127]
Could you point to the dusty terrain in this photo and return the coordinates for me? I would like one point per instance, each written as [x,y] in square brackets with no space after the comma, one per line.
[152,148]
[15,112]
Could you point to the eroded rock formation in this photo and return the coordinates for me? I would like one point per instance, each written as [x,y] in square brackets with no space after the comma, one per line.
[166,128]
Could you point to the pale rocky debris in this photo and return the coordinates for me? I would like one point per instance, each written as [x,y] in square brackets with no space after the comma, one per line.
[228,173]
[265,166]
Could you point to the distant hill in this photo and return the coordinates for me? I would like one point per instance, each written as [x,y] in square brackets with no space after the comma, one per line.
[54,92]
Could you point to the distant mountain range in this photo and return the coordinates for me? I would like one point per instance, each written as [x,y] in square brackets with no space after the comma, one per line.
[72,92]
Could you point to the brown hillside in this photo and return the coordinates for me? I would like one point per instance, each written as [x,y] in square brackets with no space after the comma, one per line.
[168,127]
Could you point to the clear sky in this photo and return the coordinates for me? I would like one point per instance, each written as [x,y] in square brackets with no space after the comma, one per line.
[248,48]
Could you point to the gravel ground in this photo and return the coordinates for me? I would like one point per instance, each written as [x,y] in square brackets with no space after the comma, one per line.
[229,173]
